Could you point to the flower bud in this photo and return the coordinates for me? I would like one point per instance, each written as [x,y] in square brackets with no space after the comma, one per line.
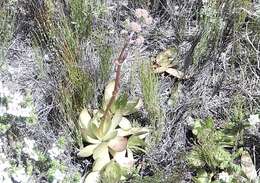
[135,27]
[139,13]
[140,40]
[148,20]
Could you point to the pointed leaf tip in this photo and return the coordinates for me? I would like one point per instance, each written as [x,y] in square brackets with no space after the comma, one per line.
[84,118]
[87,151]
[125,124]
[108,92]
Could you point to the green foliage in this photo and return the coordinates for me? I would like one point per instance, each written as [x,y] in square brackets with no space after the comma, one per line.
[240,15]
[149,83]
[64,31]
[64,34]
[158,176]
[211,26]
[112,173]
[149,86]
[7,20]
[216,152]
[54,166]
[7,16]
[105,52]
[81,17]
[4,127]
[111,136]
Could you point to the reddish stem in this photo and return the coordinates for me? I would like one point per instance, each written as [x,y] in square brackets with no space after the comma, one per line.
[118,62]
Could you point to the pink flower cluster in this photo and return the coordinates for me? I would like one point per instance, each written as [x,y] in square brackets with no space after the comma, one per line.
[136,26]
[142,13]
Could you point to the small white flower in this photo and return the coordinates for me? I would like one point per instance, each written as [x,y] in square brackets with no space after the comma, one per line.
[4,165]
[2,156]
[1,144]
[124,32]
[224,176]
[26,112]
[148,20]
[20,175]
[13,109]
[58,176]
[29,149]
[46,57]
[4,92]
[17,98]
[254,119]
[55,151]
[12,70]
[4,177]
[176,8]
[29,143]
[2,110]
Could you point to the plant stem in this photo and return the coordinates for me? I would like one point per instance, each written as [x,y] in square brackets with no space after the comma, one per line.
[118,62]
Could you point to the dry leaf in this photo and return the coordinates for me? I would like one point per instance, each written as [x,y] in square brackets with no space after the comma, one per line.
[175,73]
[248,166]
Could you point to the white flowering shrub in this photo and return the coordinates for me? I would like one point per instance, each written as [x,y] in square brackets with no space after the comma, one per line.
[15,104]
[55,151]
[29,149]
[254,119]
[9,172]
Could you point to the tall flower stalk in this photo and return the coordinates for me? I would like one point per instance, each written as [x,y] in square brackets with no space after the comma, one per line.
[118,64]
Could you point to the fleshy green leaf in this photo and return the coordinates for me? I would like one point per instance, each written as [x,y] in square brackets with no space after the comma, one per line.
[111,172]
[109,135]
[88,136]
[101,157]
[132,131]
[196,128]
[194,159]
[93,177]
[100,163]
[96,131]
[111,123]
[84,118]
[100,151]
[97,118]
[85,124]
[115,121]
[111,131]
[135,143]
[125,124]
[87,151]
[108,93]
[90,139]
[118,144]
[202,177]
[131,107]
[120,103]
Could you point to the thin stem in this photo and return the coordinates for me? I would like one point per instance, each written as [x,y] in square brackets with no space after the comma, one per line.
[118,62]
